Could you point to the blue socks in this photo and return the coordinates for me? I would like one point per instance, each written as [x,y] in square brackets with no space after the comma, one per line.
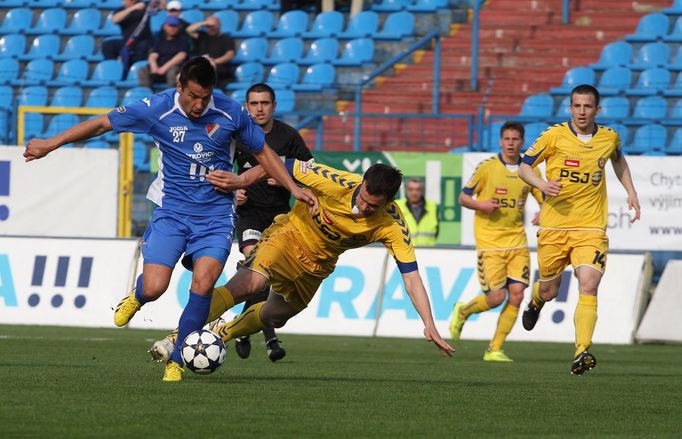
[138,291]
[193,318]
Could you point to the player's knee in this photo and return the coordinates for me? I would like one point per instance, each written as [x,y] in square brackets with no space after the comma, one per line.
[496,297]
[515,296]
[273,321]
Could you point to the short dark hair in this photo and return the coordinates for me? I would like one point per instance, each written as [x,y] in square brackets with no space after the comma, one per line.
[513,125]
[381,179]
[260,88]
[200,70]
[586,89]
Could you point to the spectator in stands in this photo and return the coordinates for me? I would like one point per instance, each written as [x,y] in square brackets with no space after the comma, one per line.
[166,57]
[355,5]
[290,5]
[133,19]
[211,43]
[174,9]
[421,214]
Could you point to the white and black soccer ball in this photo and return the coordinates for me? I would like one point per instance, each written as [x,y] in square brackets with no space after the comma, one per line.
[203,351]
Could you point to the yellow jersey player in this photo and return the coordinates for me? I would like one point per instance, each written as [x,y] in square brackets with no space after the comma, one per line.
[300,249]
[573,216]
[498,196]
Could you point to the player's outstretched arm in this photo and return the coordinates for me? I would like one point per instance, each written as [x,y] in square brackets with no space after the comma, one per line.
[39,148]
[528,175]
[622,169]
[415,289]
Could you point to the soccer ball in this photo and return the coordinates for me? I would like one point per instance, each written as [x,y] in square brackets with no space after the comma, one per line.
[203,351]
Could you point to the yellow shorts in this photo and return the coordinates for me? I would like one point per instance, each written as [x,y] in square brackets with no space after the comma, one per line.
[496,268]
[558,248]
[290,269]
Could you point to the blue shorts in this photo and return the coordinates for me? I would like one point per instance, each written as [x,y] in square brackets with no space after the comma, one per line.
[170,234]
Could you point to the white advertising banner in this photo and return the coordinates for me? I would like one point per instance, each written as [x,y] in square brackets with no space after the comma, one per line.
[73,192]
[659,187]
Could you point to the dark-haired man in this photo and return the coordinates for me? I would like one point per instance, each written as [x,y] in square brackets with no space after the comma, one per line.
[194,130]
[573,216]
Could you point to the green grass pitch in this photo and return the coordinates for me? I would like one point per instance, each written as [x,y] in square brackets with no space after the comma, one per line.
[96,383]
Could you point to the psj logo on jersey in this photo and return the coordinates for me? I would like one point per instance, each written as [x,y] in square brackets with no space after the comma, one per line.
[178,133]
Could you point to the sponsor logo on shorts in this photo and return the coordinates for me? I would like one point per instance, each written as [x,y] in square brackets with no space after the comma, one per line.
[572,163]
[501,190]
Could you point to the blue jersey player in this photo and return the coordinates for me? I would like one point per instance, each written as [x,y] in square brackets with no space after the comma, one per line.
[195,131]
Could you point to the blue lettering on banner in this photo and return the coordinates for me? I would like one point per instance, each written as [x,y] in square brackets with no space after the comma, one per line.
[442,305]
[344,299]
[4,188]
[60,280]
[391,301]
[7,292]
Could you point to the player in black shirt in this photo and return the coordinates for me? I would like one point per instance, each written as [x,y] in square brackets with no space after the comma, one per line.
[260,203]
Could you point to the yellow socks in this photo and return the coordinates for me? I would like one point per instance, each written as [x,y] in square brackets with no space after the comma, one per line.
[504,326]
[221,301]
[248,322]
[585,320]
[537,300]
[476,305]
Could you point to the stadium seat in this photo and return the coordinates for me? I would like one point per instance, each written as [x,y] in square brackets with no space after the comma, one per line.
[291,24]
[13,3]
[246,75]
[12,45]
[219,5]
[79,4]
[540,105]
[533,131]
[251,49]
[77,47]
[133,77]
[239,95]
[675,145]
[192,15]
[651,81]
[136,94]
[255,24]
[614,107]
[97,144]
[675,36]
[491,136]
[36,72]
[614,80]
[286,100]
[675,115]
[84,21]
[193,4]
[50,21]
[321,50]
[253,5]
[361,25]
[428,5]
[108,29]
[285,50]
[33,125]
[614,54]
[391,5]
[35,95]
[283,75]
[316,78]
[651,27]
[326,24]
[675,9]
[651,55]
[107,72]
[6,97]
[9,70]
[157,21]
[43,46]
[59,123]
[16,21]
[649,107]
[73,71]
[229,21]
[111,4]
[675,64]
[564,108]
[623,132]
[68,96]
[648,137]
[102,97]
[140,157]
[397,26]
[356,53]
[573,78]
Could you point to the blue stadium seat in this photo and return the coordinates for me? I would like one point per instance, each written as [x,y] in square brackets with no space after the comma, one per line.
[291,24]
[68,96]
[36,72]
[255,24]
[193,4]
[564,108]
[649,107]
[391,5]
[49,21]
[614,107]
[219,5]
[192,15]
[254,5]
[6,97]
[648,137]
[286,100]
[84,21]
[239,95]
[136,94]
[33,95]
[16,21]
[102,97]
[675,115]
[491,137]
[71,72]
[614,80]
[675,9]
[614,54]
[77,47]
[397,26]
[157,21]
[675,145]
[140,157]
[107,72]
[111,4]
[133,77]
[574,77]
[320,51]
[97,144]
[6,105]
[428,5]
[361,25]
[59,123]
[33,125]
[12,45]
[79,4]
[283,75]
[246,75]
[356,53]
[676,63]
[9,70]
[650,82]
[326,24]
[540,105]
[13,3]
[229,21]
[285,50]
[651,55]
[108,29]
[43,46]
[533,131]
[251,49]
[651,27]
[675,36]
[623,133]
[316,78]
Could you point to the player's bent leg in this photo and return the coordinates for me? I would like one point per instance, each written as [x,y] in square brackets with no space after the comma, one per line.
[461,313]
[149,286]
[540,289]
[246,323]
